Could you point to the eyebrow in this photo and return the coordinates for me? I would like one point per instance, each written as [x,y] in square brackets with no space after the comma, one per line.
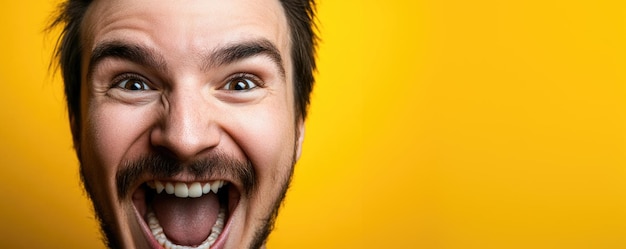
[150,58]
[239,51]
[130,52]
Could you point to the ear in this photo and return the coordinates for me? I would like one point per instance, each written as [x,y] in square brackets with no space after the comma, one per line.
[299,138]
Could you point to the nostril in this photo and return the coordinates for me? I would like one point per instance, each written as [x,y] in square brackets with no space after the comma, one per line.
[185,140]
[164,151]
[182,152]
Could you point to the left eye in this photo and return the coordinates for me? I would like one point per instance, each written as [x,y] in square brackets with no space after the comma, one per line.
[134,85]
[240,84]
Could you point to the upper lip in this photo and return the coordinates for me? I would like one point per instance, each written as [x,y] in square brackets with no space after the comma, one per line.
[189,179]
[142,189]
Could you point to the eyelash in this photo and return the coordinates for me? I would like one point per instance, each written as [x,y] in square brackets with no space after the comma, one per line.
[244,76]
[129,76]
[238,76]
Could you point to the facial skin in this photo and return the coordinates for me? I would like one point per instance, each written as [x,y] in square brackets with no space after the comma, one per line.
[183,92]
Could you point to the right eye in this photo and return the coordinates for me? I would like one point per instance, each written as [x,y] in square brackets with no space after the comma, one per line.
[133,83]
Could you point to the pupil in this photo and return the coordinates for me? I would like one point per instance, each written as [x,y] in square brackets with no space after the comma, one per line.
[240,86]
[135,86]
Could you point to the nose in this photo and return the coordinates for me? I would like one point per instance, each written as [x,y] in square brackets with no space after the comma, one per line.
[187,129]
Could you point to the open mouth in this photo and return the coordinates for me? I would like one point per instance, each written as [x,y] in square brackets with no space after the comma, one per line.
[185,215]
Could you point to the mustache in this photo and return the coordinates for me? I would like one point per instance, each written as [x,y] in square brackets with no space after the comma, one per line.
[159,166]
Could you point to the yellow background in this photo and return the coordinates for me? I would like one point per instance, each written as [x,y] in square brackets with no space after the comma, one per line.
[434,124]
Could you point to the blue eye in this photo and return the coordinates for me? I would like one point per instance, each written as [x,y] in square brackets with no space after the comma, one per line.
[240,84]
[134,84]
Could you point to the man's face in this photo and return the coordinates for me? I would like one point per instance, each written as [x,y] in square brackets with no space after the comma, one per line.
[180,100]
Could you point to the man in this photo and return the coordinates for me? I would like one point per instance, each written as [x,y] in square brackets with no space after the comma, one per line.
[187,116]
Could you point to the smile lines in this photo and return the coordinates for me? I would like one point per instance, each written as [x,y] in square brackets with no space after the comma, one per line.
[184,190]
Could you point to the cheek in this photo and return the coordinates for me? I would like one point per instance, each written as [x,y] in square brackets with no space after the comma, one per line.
[267,136]
[115,133]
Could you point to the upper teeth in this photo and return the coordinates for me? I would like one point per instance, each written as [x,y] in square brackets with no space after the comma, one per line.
[183,190]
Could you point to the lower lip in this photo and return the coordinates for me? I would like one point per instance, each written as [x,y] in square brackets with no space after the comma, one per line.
[219,243]
[146,231]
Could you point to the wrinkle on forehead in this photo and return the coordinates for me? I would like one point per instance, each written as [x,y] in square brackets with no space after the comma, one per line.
[186,27]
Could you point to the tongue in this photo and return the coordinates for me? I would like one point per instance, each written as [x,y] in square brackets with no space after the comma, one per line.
[186,221]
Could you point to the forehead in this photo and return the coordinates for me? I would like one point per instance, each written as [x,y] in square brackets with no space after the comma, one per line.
[185,27]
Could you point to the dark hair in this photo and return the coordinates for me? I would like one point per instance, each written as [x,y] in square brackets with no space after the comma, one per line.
[300,17]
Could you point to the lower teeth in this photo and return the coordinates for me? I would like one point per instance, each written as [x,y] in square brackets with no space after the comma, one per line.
[159,235]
